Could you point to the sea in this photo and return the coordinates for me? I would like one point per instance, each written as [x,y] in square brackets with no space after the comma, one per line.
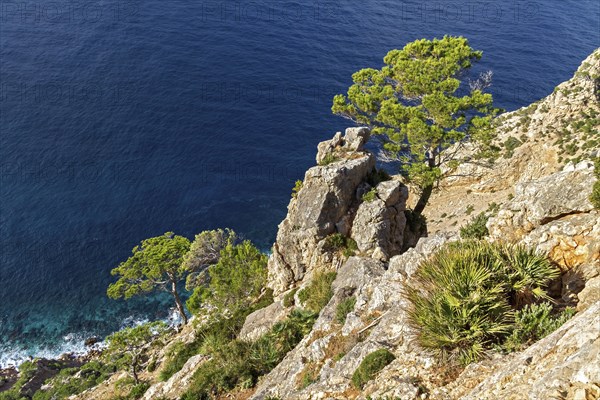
[123,119]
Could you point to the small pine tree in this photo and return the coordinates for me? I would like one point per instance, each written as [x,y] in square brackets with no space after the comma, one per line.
[155,264]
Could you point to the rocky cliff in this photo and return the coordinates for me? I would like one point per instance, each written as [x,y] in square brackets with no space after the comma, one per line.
[349,217]
[329,202]
[539,186]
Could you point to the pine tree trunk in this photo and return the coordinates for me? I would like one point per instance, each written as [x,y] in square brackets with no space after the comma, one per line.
[178,302]
[427,190]
[134,370]
[423,200]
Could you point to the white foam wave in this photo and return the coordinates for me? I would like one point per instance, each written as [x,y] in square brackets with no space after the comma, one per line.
[72,343]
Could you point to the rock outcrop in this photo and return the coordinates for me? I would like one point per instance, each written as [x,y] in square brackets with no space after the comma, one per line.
[553,215]
[564,365]
[548,211]
[333,351]
[540,139]
[543,200]
[330,201]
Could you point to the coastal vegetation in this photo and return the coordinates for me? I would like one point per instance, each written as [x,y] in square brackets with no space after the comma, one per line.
[416,103]
[155,264]
[468,299]
[370,366]
[318,293]
[595,196]
[472,296]
[126,346]
[234,282]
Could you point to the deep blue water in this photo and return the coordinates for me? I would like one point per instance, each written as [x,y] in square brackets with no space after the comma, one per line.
[121,120]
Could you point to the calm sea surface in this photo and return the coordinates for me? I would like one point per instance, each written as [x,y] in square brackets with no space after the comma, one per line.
[120,120]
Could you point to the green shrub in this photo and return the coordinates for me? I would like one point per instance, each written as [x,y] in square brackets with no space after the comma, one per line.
[377,176]
[371,195]
[238,364]
[510,145]
[463,298]
[493,208]
[595,196]
[351,247]
[476,229]
[136,391]
[26,371]
[370,366]
[335,242]
[329,159]
[469,209]
[343,308]
[236,280]
[297,188]
[288,299]
[72,381]
[222,330]
[318,293]
[309,375]
[339,242]
[534,322]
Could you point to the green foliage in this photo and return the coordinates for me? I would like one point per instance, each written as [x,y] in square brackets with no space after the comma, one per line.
[470,209]
[318,293]
[154,261]
[371,195]
[297,188]
[125,347]
[288,299]
[338,242]
[534,322]
[370,366]
[205,251]
[463,298]
[335,241]
[343,308]
[238,364]
[236,280]
[476,229]
[595,196]
[308,376]
[413,101]
[136,390]
[493,208]
[377,176]
[218,331]
[27,371]
[71,381]
[329,159]
[155,264]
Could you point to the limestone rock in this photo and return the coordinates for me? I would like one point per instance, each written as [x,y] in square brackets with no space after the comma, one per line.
[568,357]
[544,200]
[261,321]
[330,201]
[353,140]
[590,294]
[570,241]
[407,263]
[178,383]
[324,200]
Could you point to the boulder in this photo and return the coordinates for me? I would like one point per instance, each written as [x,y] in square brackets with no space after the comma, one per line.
[177,384]
[544,200]
[330,202]
[558,366]
[261,321]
